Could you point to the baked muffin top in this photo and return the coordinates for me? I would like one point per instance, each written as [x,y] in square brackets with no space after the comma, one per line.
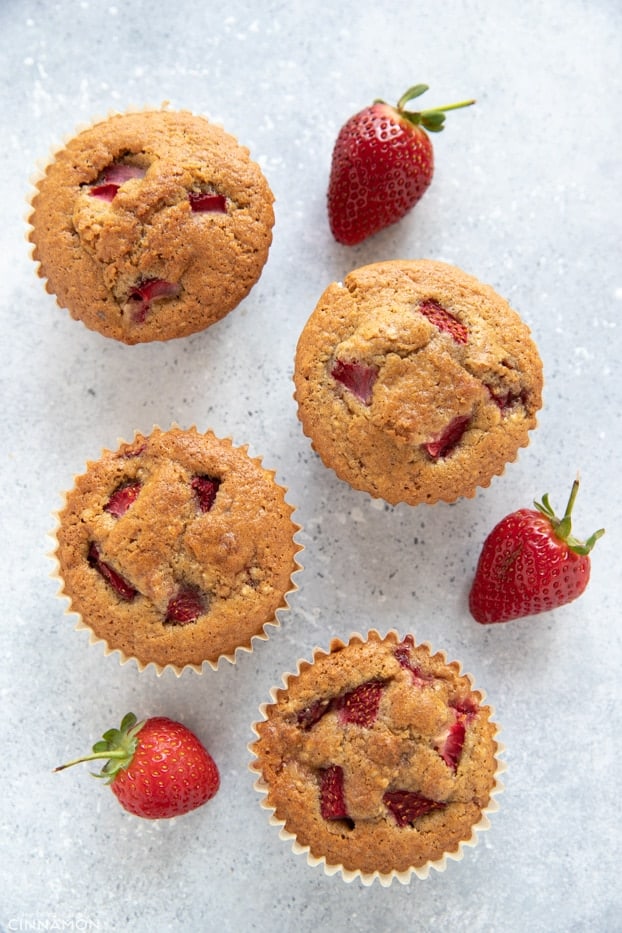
[151,225]
[378,755]
[177,548]
[415,382]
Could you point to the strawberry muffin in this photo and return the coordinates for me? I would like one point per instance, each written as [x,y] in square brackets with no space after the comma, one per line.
[151,225]
[378,758]
[176,549]
[415,382]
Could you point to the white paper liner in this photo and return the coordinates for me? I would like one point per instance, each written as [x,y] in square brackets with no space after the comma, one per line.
[384,878]
[232,657]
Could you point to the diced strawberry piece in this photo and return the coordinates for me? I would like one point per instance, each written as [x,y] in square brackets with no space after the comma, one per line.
[358,377]
[201,202]
[441,318]
[113,177]
[121,587]
[185,607]
[140,298]
[403,656]
[406,806]
[450,744]
[466,707]
[402,652]
[443,444]
[130,454]
[152,289]
[360,706]
[104,192]
[122,498]
[205,489]
[332,800]
[505,400]
[120,172]
[308,717]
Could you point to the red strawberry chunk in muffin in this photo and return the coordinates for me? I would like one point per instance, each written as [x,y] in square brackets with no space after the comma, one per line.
[406,806]
[403,656]
[308,716]
[185,607]
[446,441]
[122,498]
[360,706]
[332,799]
[358,377]
[140,298]
[112,178]
[506,399]
[467,708]
[205,489]
[449,744]
[121,587]
[206,202]
[441,318]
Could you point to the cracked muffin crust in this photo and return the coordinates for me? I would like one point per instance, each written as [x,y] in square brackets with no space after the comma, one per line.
[378,756]
[415,382]
[177,548]
[151,225]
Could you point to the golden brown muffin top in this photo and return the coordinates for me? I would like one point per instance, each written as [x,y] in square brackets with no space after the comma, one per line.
[379,755]
[151,225]
[177,548]
[415,382]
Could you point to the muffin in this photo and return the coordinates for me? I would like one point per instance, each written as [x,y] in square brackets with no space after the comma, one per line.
[415,382]
[176,549]
[151,225]
[377,758]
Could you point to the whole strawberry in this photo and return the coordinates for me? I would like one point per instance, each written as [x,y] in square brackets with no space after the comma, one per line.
[530,563]
[382,165]
[156,768]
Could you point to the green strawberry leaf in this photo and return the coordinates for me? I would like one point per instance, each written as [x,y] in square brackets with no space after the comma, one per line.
[562,527]
[415,91]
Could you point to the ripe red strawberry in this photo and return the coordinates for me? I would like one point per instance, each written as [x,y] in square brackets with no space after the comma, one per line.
[382,165]
[156,768]
[530,563]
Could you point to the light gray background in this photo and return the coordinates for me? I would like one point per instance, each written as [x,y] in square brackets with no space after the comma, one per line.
[526,197]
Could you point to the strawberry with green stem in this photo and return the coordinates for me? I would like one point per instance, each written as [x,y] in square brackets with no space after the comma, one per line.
[531,563]
[156,768]
[382,165]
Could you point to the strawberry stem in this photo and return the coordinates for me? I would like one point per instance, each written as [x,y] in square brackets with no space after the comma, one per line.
[446,107]
[563,526]
[116,745]
[432,119]
[92,756]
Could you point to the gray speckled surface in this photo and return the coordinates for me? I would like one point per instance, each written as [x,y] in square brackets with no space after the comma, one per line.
[527,197]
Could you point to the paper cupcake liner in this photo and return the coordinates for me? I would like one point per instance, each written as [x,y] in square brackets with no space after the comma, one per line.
[385,879]
[231,657]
